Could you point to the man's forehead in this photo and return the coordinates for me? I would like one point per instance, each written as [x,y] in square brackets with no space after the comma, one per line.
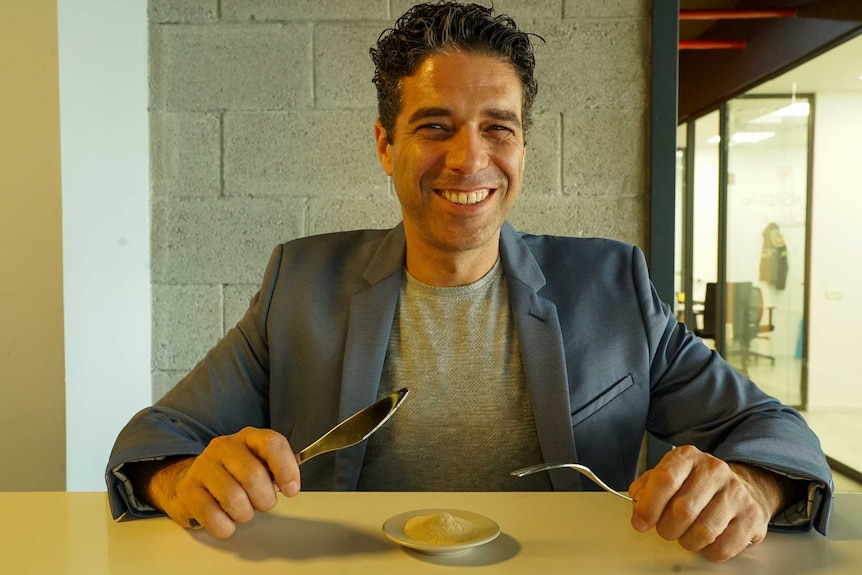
[443,82]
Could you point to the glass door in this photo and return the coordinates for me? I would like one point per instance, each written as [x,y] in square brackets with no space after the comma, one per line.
[766,240]
[743,263]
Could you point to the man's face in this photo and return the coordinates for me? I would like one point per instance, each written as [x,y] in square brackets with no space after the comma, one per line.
[457,152]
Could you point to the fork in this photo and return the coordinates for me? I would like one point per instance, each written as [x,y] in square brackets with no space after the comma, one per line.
[577,467]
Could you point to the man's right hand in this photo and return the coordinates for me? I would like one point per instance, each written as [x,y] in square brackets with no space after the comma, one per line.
[232,478]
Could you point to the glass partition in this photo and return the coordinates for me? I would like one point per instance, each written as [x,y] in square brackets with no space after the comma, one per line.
[766,246]
[742,265]
[703,179]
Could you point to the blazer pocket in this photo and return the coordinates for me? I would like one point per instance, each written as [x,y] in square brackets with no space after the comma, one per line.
[602,400]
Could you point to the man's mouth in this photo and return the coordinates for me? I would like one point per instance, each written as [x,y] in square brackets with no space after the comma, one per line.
[465,198]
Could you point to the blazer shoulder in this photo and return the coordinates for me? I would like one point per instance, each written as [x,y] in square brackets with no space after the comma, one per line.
[586,250]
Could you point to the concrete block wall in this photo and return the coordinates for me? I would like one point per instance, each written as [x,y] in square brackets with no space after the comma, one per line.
[262,116]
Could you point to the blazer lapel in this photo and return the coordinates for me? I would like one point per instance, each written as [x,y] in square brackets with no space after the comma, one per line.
[543,354]
[368,329]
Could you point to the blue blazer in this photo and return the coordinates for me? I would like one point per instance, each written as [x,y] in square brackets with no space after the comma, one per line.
[605,361]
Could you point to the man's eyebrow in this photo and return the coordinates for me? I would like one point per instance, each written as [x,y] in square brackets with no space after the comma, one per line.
[437,112]
[430,112]
[503,115]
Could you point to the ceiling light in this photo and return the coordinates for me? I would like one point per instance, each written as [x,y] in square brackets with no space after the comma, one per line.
[743,137]
[750,137]
[794,110]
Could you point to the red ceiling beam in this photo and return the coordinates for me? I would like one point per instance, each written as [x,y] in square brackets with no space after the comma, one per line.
[726,15]
[735,14]
[711,44]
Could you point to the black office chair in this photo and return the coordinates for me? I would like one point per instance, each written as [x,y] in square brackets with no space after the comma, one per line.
[708,312]
[758,328]
[748,311]
[744,305]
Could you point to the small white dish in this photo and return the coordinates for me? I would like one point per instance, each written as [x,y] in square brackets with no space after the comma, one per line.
[486,531]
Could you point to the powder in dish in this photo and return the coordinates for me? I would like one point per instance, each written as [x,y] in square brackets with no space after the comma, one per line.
[440,529]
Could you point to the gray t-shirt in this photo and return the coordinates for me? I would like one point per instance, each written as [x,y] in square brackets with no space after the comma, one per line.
[468,420]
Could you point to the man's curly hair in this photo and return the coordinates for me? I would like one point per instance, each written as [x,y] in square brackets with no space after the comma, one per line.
[439,27]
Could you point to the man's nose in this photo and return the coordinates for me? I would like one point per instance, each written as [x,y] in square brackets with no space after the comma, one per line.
[468,152]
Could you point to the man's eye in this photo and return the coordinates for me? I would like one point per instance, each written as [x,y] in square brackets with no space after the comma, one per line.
[499,133]
[433,131]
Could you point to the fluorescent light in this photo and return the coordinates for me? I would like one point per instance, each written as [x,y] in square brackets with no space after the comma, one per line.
[750,137]
[744,137]
[794,110]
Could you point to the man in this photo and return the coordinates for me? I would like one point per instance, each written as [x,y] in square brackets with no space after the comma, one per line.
[516,348]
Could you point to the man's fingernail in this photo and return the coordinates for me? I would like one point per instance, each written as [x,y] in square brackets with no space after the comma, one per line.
[290,489]
[639,524]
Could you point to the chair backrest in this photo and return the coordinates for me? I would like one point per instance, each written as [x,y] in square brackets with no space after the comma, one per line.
[744,302]
[761,326]
[710,312]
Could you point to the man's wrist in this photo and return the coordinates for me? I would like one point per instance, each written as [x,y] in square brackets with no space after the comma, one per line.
[154,481]
[777,491]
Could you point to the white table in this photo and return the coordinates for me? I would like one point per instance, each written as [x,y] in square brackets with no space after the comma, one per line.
[542,533]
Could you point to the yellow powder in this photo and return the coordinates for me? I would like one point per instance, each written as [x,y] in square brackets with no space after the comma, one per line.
[439,529]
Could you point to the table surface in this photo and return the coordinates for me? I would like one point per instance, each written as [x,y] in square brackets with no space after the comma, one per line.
[72,533]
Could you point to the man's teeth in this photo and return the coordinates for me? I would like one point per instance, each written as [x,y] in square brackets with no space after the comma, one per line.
[465,198]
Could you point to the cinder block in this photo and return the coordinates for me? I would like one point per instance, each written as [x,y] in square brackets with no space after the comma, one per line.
[236,301]
[312,153]
[231,66]
[622,219]
[521,11]
[542,164]
[354,213]
[342,65]
[262,10]
[186,324]
[185,154]
[164,381]
[607,8]
[182,11]
[593,64]
[223,241]
[605,152]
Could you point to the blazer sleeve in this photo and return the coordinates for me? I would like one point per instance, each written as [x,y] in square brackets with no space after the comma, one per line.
[226,391]
[697,398]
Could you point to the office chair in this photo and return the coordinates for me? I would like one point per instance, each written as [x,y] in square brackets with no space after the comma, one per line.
[757,303]
[709,312]
[744,302]
[747,305]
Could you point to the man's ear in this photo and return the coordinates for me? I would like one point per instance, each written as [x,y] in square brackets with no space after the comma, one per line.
[384,148]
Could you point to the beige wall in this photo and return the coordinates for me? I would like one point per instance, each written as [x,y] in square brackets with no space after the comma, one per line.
[32,404]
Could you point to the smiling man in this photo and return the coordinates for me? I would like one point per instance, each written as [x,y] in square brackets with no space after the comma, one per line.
[516,348]
[456,158]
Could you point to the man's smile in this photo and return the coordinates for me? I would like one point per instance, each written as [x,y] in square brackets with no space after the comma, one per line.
[465,198]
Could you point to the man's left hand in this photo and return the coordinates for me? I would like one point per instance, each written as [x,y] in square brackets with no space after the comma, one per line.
[707,505]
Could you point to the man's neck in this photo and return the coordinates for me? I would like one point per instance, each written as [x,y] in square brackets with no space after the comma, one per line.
[448,269]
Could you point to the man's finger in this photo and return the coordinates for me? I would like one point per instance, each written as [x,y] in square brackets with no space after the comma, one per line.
[203,511]
[662,484]
[733,541]
[250,475]
[275,451]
